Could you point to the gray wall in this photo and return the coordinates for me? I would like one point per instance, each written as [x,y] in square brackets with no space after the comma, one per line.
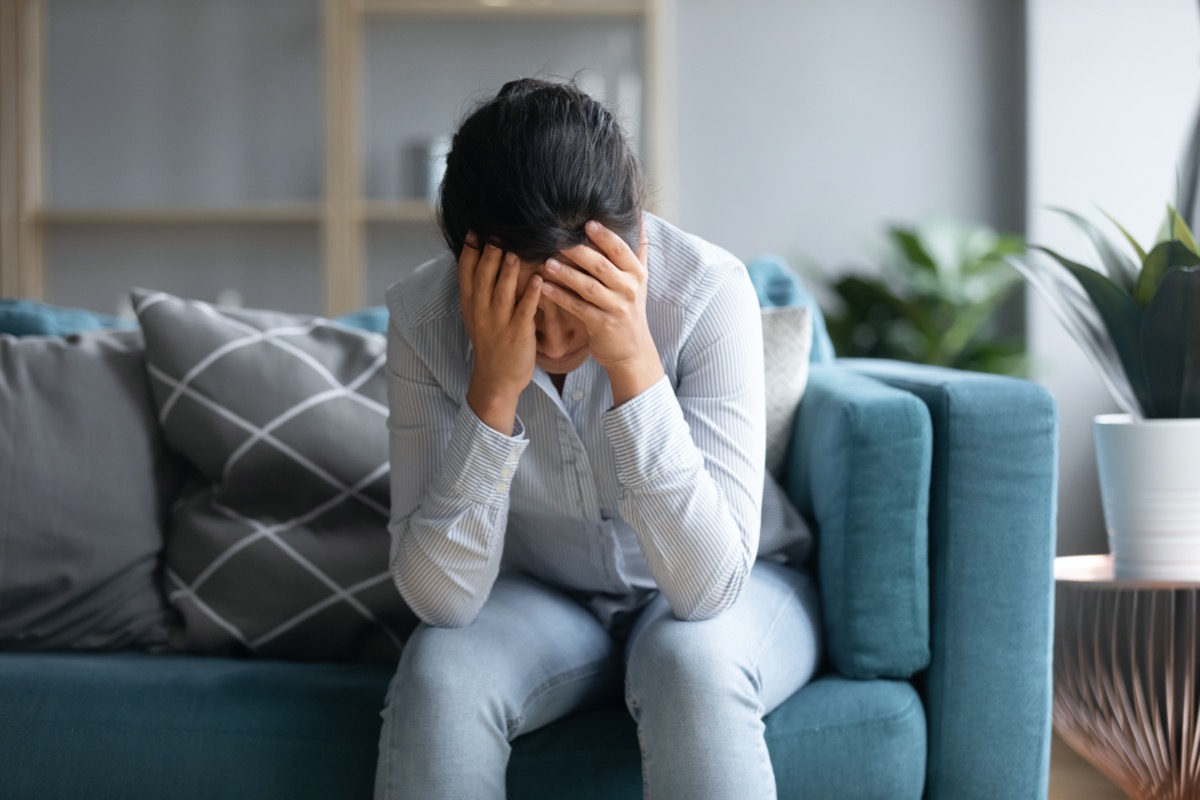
[804,127]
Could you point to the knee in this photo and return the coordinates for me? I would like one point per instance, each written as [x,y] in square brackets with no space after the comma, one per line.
[440,678]
[678,663]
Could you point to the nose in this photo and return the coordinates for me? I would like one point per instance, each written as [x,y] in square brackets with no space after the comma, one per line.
[556,336]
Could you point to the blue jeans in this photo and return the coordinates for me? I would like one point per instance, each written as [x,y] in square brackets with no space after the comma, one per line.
[698,690]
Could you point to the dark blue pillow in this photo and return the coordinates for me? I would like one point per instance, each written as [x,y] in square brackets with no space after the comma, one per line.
[30,318]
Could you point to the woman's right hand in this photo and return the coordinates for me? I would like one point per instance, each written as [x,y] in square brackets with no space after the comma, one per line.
[501,329]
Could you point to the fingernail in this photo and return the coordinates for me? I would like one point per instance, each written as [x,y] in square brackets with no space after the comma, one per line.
[592,226]
[510,259]
[536,280]
[547,286]
[553,265]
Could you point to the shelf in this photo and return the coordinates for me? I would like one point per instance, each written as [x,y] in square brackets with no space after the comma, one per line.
[398,211]
[497,8]
[325,77]
[182,215]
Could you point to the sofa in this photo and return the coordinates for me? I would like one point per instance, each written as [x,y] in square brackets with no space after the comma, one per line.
[932,496]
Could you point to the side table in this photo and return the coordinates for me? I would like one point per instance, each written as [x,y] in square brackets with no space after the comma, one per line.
[1125,675]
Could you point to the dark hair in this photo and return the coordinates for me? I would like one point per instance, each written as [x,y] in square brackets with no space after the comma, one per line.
[529,167]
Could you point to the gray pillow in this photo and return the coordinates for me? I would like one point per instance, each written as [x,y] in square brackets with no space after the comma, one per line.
[280,545]
[85,481]
[787,339]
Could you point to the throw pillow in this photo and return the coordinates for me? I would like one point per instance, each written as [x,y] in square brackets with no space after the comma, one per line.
[279,546]
[777,285]
[787,338]
[30,318]
[371,318]
[85,482]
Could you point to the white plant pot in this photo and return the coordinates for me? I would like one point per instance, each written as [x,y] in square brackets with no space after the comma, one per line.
[1150,485]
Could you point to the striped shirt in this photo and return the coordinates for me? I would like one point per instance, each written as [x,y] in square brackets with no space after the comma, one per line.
[666,492]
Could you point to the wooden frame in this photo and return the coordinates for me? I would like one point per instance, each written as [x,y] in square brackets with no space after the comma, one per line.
[21,188]
[342,213]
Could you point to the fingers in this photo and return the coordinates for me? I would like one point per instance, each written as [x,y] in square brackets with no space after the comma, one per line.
[468,259]
[485,273]
[591,262]
[613,246]
[573,304]
[585,282]
[506,287]
[530,299]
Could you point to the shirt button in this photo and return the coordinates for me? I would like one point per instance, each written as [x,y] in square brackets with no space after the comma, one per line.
[506,472]
[576,394]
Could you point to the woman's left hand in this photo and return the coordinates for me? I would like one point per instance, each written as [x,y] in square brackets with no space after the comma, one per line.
[605,289]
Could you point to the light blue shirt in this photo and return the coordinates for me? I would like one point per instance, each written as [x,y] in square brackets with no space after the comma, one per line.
[665,492]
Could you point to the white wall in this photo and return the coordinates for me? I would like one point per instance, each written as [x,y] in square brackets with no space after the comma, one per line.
[804,127]
[1113,89]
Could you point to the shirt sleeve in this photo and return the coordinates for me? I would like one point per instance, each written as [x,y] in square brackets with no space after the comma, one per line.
[450,479]
[691,461]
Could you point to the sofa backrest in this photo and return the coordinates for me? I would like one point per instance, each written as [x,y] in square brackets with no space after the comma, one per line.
[778,286]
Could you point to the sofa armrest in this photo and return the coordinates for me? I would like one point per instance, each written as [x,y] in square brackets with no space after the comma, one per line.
[858,467]
[992,541]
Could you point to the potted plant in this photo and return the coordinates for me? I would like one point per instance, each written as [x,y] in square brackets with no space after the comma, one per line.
[933,300]
[1138,320]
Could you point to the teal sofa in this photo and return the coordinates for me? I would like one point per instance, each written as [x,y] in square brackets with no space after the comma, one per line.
[933,496]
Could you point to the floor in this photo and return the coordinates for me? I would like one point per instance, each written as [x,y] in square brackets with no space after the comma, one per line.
[1073,778]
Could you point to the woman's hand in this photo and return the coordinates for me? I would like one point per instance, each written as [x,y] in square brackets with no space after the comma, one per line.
[501,331]
[606,291]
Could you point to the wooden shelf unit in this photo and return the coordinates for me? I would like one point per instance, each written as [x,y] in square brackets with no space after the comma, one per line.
[477,9]
[342,212]
[181,215]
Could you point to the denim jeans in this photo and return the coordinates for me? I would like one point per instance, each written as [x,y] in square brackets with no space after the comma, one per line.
[698,690]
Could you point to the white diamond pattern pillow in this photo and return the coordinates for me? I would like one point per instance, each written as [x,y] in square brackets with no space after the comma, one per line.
[278,545]
[787,340]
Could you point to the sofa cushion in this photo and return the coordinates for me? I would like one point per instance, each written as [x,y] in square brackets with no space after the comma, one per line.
[371,318]
[131,725]
[860,465]
[85,481]
[279,545]
[31,318]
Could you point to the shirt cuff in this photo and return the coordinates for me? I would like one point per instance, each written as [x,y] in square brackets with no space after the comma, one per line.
[480,462]
[649,435]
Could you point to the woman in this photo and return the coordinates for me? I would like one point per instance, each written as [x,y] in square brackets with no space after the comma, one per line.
[578,499]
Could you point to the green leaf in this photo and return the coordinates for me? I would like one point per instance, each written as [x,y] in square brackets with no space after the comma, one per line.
[1165,257]
[1122,320]
[908,243]
[1180,229]
[1170,345]
[1166,229]
[1137,248]
[998,356]
[868,311]
[1119,266]
[968,324]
